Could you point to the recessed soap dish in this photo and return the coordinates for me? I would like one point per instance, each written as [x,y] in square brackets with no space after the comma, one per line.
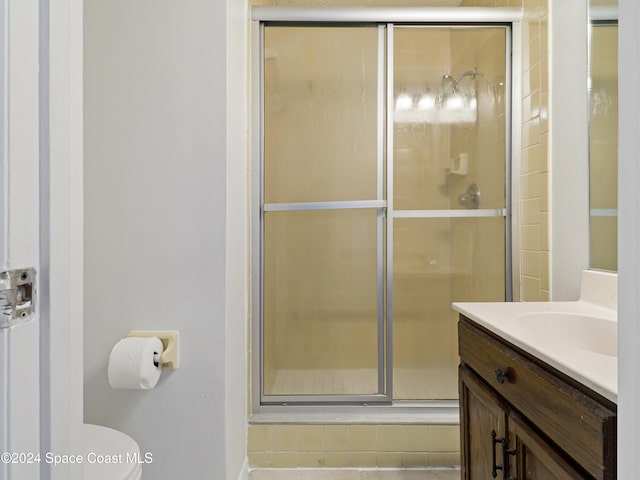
[459,165]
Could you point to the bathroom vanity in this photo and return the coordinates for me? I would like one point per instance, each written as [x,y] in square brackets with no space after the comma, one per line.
[538,390]
[520,415]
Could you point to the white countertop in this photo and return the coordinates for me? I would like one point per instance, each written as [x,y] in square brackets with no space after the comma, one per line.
[597,371]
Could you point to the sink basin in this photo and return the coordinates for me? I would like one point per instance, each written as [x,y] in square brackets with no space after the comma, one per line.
[593,334]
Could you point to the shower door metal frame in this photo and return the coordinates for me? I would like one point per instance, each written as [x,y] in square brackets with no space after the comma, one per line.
[383,395]
[440,411]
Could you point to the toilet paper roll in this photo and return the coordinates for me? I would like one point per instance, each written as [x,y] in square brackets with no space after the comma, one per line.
[131,363]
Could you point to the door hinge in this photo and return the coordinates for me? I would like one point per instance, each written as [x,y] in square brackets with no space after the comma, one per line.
[17,296]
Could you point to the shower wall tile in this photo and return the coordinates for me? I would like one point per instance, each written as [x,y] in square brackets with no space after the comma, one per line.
[284,459]
[415,438]
[333,460]
[312,459]
[389,459]
[443,459]
[260,438]
[383,446]
[534,196]
[491,3]
[390,438]
[544,153]
[311,438]
[416,459]
[530,289]
[362,438]
[530,237]
[531,106]
[531,132]
[363,459]
[544,233]
[384,3]
[544,191]
[544,278]
[443,438]
[260,458]
[285,439]
[531,263]
[530,186]
[337,438]
[530,214]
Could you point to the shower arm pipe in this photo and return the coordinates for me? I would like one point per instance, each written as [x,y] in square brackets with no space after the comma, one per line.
[387,14]
[469,73]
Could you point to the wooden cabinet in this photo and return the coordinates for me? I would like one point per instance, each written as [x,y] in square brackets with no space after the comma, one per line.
[536,458]
[521,419]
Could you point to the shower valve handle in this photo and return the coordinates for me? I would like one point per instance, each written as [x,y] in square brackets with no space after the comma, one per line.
[470,198]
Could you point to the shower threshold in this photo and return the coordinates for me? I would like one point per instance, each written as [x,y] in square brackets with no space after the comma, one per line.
[444,412]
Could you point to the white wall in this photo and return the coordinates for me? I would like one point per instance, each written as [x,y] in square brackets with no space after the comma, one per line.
[237,238]
[155,229]
[569,172]
[628,241]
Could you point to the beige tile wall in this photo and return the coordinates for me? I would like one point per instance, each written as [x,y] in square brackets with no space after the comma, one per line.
[289,446]
[480,242]
[432,445]
[492,3]
[385,3]
[534,168]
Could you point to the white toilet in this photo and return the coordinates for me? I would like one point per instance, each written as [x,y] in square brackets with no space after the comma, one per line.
[109,455]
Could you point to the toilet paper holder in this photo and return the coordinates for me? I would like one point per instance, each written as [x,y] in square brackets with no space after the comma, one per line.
[169,358]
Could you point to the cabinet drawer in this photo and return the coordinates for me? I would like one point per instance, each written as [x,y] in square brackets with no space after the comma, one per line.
[575,422]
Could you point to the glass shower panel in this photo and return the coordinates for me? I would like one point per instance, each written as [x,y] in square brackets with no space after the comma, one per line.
[603,146]
[449,195]
[320,114]
[449,117]
[321,303]
[322,331]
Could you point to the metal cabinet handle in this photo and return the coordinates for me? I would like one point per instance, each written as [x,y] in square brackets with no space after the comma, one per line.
[505,451]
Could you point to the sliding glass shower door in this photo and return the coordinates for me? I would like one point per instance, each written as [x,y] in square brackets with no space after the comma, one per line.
[323,205]
[449,195]
[383,199]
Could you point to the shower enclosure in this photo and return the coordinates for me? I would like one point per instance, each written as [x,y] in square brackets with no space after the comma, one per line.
[383,198]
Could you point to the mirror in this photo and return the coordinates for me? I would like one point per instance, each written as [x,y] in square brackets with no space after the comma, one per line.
[603,134]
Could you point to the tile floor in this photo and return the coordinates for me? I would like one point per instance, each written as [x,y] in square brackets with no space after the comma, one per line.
[354,474]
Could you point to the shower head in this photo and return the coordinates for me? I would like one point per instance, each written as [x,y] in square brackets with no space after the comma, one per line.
[455,96]
[450,85]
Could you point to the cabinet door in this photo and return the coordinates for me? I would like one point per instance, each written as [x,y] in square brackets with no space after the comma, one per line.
[537,459]
[483,420]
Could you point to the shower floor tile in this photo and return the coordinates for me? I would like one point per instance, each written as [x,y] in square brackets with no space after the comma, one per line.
[354,474]
[409,383]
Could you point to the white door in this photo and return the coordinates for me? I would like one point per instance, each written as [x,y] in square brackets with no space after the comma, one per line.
[40,225]
[19,236]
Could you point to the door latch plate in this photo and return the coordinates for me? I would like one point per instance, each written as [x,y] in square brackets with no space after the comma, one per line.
[17,296]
